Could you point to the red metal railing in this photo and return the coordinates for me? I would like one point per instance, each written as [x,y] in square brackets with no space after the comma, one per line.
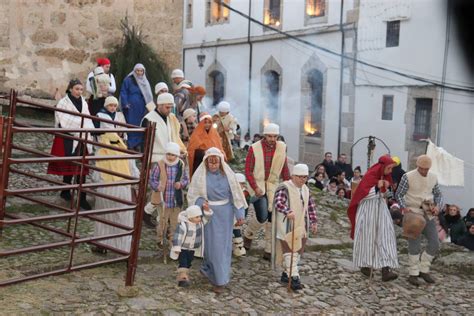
[10,126]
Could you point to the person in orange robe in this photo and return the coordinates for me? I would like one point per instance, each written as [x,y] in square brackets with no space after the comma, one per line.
[203,138]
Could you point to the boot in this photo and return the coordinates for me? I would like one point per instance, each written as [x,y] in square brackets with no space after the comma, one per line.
[218,289]
[284,278]
[83,203]
[148,215]
[238,247]
[365,271]
[296,284]
[183,278]
[66,195]
[247,243]
[413,279]
[267,256]
[388,275]
[427,277]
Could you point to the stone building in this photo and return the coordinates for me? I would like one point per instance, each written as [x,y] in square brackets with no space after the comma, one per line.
[43,43]
[327,103]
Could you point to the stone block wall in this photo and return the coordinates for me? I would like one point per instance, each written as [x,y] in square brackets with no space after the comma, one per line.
[44,43]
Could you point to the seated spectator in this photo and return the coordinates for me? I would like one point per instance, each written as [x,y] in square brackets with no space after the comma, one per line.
[317,181]
[256,138]
[469,216]
[341,193]
[454,223]
[357,174]
[321,169]
[342,181]
[331,188]
[343,166]
[246,143]
[468,239]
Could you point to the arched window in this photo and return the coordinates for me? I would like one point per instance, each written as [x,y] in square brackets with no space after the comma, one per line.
[313,117]
[271,96]
[217,81]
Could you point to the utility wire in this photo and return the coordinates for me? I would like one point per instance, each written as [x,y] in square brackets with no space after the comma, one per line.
[402,74]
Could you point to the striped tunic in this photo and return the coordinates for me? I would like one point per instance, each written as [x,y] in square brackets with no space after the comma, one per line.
[375,244]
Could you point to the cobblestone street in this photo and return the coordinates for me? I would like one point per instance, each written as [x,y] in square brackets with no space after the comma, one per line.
[331,284]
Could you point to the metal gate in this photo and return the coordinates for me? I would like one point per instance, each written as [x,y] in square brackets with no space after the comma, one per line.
[70,215]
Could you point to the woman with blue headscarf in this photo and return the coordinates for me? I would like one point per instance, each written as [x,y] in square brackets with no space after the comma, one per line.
[135,94]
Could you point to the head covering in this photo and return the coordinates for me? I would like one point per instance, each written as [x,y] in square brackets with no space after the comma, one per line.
[271,129]
[188,113]
[98,71]
[177,73]
[223,106]
[193,211]
[397,160]
[198,186]
[160,86]
[204,115]
[370,179]
[199,90]
[172,148]
[165,98]
[110,100]
[423,161]
[300,169]
[143,83]
[103,61]
[240,178]
[202,140]
[185,84]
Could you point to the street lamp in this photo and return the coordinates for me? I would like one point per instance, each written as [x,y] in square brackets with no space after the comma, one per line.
[200,58]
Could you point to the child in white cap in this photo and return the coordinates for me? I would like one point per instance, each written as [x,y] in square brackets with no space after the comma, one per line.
[238,242]
[188,237]
[168,179]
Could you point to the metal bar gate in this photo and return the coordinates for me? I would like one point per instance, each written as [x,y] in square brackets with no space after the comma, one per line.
[11,126]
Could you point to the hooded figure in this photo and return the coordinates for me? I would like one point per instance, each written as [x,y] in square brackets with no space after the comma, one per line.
[204,137]
[134,95]
[215,185]
[372,229]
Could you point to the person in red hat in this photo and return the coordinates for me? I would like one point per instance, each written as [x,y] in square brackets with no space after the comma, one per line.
[375,245]
[105,64]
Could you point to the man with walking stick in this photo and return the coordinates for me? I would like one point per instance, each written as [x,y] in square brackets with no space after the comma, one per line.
[295,216]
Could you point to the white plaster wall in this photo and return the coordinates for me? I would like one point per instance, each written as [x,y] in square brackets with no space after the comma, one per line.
[235,61]
[368,122]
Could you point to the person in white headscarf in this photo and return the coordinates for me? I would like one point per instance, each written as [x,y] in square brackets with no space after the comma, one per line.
[135,93]
[215,185]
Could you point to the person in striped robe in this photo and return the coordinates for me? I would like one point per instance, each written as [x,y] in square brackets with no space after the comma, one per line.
[375,246]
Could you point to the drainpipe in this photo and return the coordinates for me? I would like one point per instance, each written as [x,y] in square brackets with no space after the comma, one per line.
[341,75]
[443,78]
[250,68]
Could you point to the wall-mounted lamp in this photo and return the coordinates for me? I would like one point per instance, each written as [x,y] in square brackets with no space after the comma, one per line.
[201,58]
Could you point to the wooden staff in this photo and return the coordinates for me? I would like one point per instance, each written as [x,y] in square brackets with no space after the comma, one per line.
[291,260]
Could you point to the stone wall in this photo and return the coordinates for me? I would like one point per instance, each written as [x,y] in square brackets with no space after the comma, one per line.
[44,43]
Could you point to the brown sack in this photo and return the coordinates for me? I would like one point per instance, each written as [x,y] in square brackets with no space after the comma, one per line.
[298,242]
[413,225]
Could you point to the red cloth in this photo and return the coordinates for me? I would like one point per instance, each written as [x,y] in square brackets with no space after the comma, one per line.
[370,179]
[103,61]
[63,168]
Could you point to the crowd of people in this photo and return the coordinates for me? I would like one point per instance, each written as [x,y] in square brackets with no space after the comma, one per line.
[190,156]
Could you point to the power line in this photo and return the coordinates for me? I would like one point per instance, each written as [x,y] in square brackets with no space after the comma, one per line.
[399,73]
